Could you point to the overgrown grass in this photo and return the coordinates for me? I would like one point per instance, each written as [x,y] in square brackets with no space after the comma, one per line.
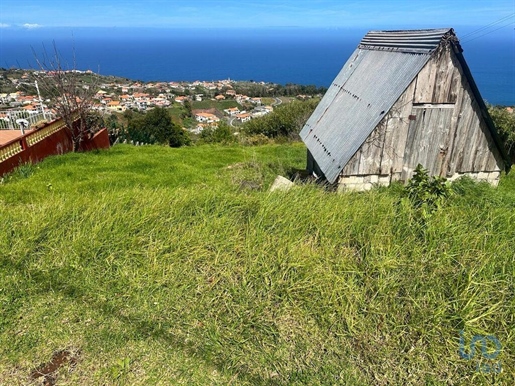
[219,105]
[176,266]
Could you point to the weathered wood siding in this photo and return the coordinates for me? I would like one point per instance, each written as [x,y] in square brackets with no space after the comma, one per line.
[440,79]
[436,122]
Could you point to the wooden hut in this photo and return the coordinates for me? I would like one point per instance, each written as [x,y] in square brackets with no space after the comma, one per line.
[403,98]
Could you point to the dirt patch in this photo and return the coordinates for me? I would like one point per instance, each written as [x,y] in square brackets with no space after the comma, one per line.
[49,369]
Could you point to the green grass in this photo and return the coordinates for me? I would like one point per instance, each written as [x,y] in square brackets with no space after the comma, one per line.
[219,105]
[177,266]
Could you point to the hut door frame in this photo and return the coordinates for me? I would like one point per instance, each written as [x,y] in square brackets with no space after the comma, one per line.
[428,138]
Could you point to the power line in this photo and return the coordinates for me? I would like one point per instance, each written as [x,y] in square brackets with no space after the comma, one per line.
[486,28]
[486,33]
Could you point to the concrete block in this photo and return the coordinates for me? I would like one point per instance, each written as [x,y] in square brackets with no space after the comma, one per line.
[281,183]
[351,180]
[492,176]
[384,180]
[482,176]
[352,187]
[454,177]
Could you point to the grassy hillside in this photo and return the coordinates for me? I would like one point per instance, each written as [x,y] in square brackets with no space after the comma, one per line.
[153,265]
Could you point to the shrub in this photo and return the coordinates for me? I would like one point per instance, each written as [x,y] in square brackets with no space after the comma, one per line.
[220,134]
[426,193]
[505,124]
[255,140]
[157,126]
[285,121]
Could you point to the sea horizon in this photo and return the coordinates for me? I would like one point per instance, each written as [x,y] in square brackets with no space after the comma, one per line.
[277,55]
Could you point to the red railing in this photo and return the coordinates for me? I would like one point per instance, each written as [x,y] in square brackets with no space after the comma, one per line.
[51,139]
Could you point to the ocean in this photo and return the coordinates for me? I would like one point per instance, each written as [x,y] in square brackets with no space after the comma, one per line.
[289,55]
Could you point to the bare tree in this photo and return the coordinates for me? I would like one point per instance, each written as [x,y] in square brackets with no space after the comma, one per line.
[71,91]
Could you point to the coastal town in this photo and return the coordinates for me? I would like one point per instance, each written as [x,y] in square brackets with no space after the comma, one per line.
[207,102]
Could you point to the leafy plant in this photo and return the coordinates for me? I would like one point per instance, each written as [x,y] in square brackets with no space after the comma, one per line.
[120,368]
[426,193]
[220,134]
[504,120]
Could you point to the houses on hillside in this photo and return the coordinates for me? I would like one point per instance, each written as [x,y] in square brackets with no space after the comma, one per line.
[18,99]
[115,96]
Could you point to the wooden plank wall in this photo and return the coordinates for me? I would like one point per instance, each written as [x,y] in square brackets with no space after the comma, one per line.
[439,80]
[454,137]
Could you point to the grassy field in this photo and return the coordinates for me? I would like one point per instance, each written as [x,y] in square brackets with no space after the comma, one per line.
[213,104]
[151,265]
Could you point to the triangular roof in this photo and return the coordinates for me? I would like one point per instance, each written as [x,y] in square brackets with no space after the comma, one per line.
[373,78]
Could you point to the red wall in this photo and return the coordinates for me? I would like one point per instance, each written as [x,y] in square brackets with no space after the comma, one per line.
[59,142]
[99,141]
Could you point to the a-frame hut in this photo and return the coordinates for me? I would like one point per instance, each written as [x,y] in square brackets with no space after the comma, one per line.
[403,98]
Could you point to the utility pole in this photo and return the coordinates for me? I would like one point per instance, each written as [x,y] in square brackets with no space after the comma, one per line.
[40,100]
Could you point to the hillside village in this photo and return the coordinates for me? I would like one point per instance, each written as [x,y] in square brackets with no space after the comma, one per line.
[208,102]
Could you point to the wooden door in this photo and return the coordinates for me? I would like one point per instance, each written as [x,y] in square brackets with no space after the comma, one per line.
[428,138]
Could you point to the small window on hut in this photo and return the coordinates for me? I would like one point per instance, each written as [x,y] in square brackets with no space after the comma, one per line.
[433,105]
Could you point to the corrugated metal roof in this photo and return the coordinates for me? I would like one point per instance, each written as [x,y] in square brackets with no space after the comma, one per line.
[366,88]
[415,41]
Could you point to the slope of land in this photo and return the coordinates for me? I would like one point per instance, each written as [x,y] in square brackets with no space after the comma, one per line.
[151,265]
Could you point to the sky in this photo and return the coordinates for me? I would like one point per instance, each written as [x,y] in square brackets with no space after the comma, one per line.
[40,14]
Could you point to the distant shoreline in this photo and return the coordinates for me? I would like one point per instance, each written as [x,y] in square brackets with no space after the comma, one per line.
[291,55]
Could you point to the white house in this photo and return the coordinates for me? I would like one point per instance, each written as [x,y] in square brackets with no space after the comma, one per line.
[206,118]
[232,111]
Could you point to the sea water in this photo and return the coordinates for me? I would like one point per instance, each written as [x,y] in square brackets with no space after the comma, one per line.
[289,55]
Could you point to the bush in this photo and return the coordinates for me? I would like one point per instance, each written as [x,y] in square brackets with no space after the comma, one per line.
[426,193]
[505,123]
[255,140]
[285,121]
[220,134]
[157,126]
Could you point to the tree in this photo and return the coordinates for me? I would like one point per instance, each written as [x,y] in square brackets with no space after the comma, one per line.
[156,126]
[188,112]
[158,123]
[72,91]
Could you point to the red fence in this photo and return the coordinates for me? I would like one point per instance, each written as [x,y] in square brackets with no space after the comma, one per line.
[52,139]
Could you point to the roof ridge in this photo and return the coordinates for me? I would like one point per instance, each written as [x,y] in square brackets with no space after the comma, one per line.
[414,41]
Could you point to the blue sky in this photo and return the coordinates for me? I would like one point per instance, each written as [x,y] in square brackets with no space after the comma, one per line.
[34,14]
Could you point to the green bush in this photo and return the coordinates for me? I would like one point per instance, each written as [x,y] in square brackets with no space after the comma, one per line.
[285,121]
[255,140]
[426,193]
[156,126]
[220,134]
[505,124]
